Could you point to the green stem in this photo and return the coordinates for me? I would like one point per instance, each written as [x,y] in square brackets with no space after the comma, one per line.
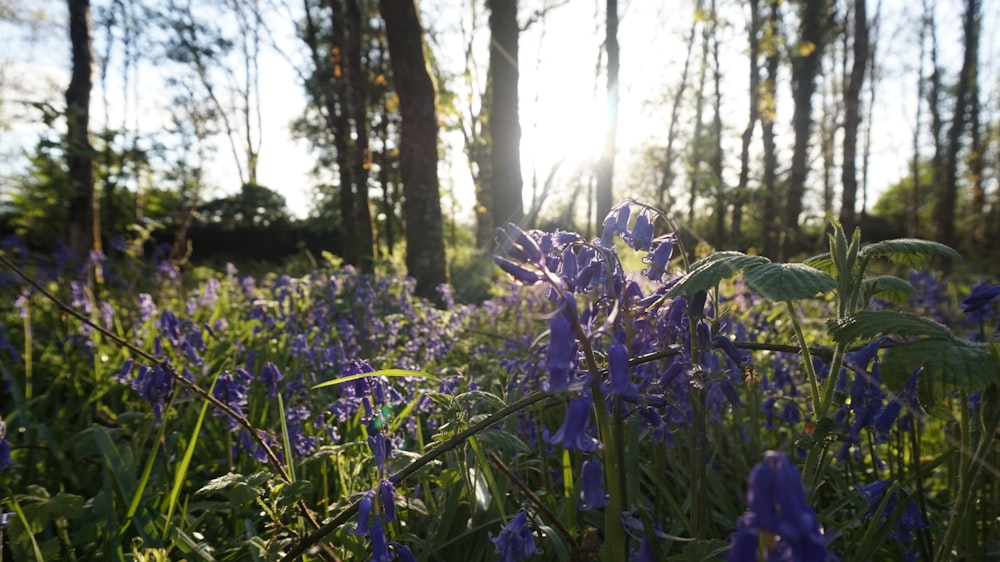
[969,466]
[806,358]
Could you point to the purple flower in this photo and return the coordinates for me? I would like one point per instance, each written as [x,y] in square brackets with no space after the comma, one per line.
[642,232]
[592,492]
[573,433]
[515,541]
[982,295]
[380,547]
[743,546]
[386,493]
[520,274]
[231,389]
[381,448]
[271,376]
[364,513]
[5,460]
[658,260]
[561,342]
[615,223]
[620,382]
[778,506]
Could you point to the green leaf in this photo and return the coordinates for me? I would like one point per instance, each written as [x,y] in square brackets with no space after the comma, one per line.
[382,373]
[787,281]
[705,274]
[867,324]
[475,397]
[498,439]
[889,287]
[947,364]
[909,251]
[822,262]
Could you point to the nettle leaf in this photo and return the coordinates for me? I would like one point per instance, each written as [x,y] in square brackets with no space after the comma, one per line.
[499,439]
[706,273]
[909,251]
[946,364]
[231,479]
[888,287]
[787,281]
[867,324]
[823,262]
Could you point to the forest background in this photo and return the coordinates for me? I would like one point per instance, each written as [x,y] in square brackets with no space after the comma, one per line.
[255,129]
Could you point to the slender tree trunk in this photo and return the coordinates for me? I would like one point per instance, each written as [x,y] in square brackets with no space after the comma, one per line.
[873,80]
[606,165]
[736,231]
[934,106]
[720,187]
[948,196]
[84,228]
[773,229]
[425,258]
[976,162]
[358,104]
[814,17]
[695,154]
[852,116]
[667,178]
[912,207]
[504,121]
[339,103]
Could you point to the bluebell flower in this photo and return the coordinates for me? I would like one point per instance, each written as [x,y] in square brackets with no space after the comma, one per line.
[380,546]
[154,384]
[403,552]
[573,433]
[515,541]
[983,294]
[231,389]
[386,494]
[381,448]
[615,223]
[271,376]
[743,546]
[777,505]
[5,460]
[657,260]
[521,274]
[619,378]
[911,518]
[364,514]
[642,232]
[592,494]
[561,343]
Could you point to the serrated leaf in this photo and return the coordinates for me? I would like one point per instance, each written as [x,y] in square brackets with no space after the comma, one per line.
[474,397]
[867,324]
[909,251]
[823,262]
[787,281]
[231,479]
[66,505]
[946,364]
[705,274]
[889,287]
[498,439]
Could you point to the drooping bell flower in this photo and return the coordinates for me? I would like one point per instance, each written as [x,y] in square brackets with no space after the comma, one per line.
[615,223]
[642,232]
[592,494]
[619,380]
[574,434]
[515,541]
[561,343]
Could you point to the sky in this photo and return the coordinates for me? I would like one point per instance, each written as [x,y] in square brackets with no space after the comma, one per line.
[562,96]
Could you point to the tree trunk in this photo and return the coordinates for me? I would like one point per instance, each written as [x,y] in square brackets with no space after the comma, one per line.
[84,228]
[773,230]
[736,231]
[504,122]
[814,17]
[606,165]
[934,106]
[358,105]
[695,155]
[852,116]
[667,178]
[721,203]
[947,197]
[425,259]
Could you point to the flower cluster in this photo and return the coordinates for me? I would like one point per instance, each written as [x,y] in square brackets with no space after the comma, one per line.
[778,510]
